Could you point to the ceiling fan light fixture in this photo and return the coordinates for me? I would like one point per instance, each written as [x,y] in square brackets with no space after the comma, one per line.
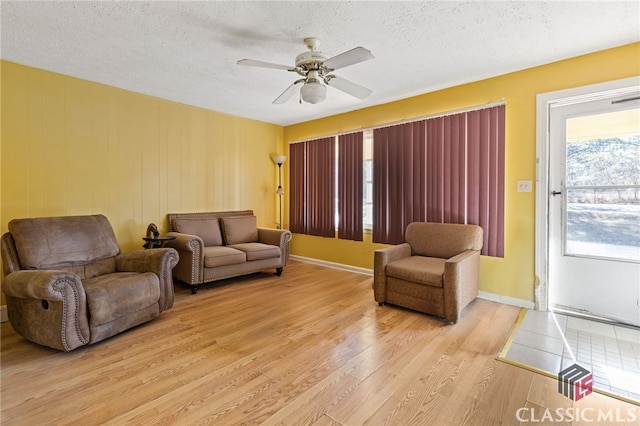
[313,92]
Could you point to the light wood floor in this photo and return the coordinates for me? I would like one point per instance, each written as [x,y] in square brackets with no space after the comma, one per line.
[308,348]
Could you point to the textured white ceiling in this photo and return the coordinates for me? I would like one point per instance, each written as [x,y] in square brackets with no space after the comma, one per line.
[187,51]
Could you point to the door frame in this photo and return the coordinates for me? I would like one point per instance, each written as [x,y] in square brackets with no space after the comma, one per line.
[543,105]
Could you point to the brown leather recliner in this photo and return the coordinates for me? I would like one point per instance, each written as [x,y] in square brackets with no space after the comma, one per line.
[435,271]
[67,283]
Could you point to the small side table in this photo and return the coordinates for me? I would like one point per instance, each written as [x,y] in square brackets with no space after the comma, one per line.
[156,242]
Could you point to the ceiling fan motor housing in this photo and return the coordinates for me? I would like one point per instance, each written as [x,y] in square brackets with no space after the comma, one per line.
[311,60]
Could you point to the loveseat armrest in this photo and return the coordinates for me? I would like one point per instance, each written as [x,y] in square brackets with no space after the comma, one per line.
[276,237]
[159,261]
[381,258]
[461,282]
[48,307]
[191,257]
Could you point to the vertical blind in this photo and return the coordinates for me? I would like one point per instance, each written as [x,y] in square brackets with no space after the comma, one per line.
[350,186]
[313,187]
[447,169]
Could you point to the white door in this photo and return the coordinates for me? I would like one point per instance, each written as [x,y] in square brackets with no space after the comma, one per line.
[594,207]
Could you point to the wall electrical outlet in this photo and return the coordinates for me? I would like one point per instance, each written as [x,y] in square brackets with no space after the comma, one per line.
[524,186]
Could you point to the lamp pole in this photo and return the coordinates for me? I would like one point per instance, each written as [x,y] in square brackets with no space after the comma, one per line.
[279,160]
[280,192]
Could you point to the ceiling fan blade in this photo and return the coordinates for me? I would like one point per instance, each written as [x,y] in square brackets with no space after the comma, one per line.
[350,57]
[348,87]
[288,93]
[253,63]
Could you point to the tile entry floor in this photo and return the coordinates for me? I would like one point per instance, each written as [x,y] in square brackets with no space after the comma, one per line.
[610,351]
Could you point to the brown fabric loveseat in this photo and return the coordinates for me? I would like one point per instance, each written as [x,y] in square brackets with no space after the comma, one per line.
[435,271]
[218,245]
[68,285]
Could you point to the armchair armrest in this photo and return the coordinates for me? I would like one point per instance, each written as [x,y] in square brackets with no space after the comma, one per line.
[461,282]
[191,259]
[49,307]
[382,257]
[159,261]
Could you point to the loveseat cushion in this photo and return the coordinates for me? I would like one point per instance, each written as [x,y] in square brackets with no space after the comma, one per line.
[258,251]
[117,295]
[50,242]
[418,269]
[239,229]
[221,256]
[207,229]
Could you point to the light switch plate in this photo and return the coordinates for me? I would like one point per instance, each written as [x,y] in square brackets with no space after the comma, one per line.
[524,186]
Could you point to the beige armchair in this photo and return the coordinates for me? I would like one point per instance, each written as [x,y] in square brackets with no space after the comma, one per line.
[68,285]
[435,271]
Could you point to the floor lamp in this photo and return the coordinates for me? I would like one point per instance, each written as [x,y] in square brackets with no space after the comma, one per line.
[279,160]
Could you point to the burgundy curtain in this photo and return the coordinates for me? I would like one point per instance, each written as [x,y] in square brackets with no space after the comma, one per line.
[350,176]
[399,180]
[321,174]
[447,169]
[445,165]
[297,185]
[485,178]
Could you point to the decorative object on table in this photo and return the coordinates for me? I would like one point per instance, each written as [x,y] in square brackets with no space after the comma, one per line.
[68,285]
[153,238]
[152,231]
[279,160]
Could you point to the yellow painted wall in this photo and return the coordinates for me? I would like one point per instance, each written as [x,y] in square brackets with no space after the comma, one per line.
[513,275]
[70,147]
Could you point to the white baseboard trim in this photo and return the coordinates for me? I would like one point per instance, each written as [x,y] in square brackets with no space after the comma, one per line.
[333,265]
[507,300]
[3,313]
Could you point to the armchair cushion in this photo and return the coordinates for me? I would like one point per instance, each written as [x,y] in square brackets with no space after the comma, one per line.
[112,296]
[207,229]
[240,229]
[418,269]
[49,243]
[443,240]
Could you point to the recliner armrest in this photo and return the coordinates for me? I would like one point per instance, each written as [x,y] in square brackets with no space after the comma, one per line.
[159,261]
[50,307]
[41,284]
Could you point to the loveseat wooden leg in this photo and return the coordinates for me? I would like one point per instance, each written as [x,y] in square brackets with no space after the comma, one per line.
[278,271]
[194,289]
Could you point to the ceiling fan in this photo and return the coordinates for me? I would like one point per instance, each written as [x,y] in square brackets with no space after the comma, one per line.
[316,68]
